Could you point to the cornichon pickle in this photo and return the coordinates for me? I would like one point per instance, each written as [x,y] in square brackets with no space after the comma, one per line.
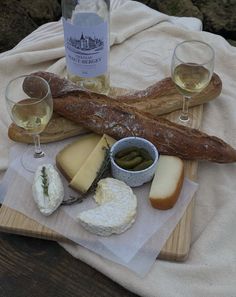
[145,154]
[130,163]
[130,156]
[125,151]
[133,158]
[143,165]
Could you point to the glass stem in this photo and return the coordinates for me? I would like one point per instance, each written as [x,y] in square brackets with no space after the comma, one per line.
[184,114]
[38,153]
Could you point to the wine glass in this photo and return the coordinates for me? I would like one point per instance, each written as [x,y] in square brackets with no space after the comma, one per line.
[30,106]
[191,70]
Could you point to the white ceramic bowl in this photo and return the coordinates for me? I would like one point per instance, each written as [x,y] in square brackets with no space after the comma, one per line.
[134,178]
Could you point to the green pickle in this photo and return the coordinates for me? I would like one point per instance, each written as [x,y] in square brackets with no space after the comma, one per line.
[145,154]
[143,165]
[133,158]
[130,163]
[125,151]
[130,156]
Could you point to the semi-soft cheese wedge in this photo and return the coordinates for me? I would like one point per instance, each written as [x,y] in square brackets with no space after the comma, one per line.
[89,169]
[167,182]
[116,211]
[70,159]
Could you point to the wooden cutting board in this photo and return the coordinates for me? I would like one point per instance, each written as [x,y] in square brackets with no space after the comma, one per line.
[177,246]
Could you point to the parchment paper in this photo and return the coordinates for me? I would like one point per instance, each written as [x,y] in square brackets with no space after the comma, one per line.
[137,248]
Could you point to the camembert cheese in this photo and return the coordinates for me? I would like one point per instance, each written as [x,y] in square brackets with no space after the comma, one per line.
[71,158]
[116,211]
[87,173]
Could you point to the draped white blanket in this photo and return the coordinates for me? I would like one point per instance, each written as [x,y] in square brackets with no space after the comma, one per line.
[142,44]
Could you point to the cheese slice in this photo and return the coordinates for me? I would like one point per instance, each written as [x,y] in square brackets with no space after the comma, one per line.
[70,159]
[167,182]
[116,210]
[89,169]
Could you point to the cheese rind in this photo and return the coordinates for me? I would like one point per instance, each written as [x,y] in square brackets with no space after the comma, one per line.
[116,211]
[70,159]
[50,201]
[89,169]
[167,182]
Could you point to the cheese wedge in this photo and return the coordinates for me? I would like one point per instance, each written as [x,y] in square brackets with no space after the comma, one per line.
[89,169]
[70,159]
[167,182]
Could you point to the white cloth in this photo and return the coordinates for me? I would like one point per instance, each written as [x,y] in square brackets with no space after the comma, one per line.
[142,44]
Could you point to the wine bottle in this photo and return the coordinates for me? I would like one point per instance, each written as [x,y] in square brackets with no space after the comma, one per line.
[86,39]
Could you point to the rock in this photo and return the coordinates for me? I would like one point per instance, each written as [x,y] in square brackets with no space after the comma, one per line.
[174,7]
[20,17]
[219,16]
[42,11]
[232,42]
[15,24]
[179,8]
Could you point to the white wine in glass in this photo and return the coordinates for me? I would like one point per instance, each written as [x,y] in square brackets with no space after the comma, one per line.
[191,70]
[31,109]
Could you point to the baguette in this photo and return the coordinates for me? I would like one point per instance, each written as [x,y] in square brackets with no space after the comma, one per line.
[118,120]
[167,182]
[105,116]
[158,99]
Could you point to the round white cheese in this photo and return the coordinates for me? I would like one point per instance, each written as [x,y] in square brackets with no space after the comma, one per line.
[47,199]
[116,211]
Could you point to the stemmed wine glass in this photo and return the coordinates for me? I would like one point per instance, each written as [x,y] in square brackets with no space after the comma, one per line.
[30,106]
[191,70]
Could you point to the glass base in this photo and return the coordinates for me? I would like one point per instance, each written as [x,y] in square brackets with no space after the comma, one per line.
[31,160]
[185,121]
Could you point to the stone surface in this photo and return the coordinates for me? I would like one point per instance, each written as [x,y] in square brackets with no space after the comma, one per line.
[20,17]
[218,16]
[179,8]
[42,11]
[232,42]
[15,24]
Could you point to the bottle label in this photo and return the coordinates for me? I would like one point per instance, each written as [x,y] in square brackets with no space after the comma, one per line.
[86,48]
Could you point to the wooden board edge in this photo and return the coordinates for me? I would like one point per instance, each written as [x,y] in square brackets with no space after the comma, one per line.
[182,251]
[180,254]
[41,231]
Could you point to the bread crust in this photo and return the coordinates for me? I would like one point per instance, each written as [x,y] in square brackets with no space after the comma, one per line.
[120,120]
[58,129]
[160,98]
[170,201]
[117,119]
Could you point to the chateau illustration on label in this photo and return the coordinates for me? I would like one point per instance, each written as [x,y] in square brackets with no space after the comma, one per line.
[86,44]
